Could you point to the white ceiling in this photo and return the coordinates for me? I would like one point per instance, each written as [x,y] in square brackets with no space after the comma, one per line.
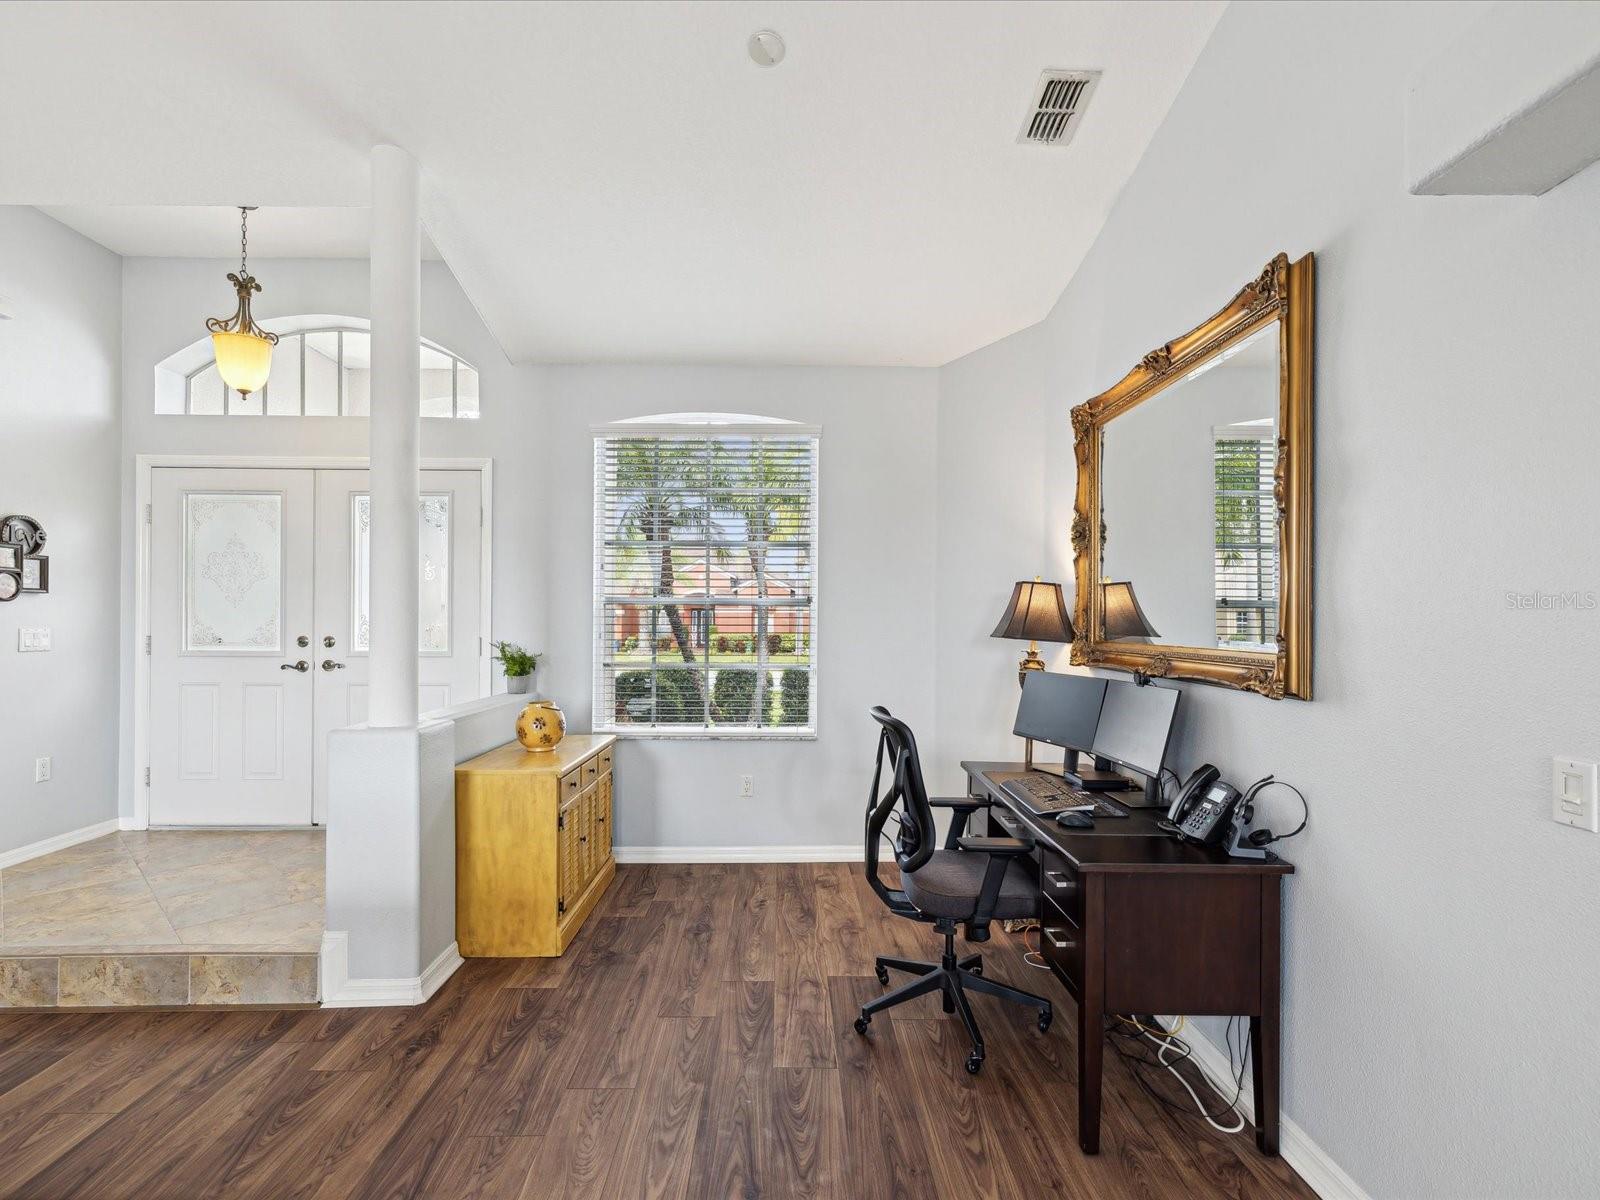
[616,182]
[212,231]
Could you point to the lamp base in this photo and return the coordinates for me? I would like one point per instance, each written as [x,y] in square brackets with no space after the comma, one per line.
[1030,662]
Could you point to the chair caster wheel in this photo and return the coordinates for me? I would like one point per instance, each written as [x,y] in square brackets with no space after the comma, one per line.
[883,976]
[861,1025]
[1044,1020]
[974,1063]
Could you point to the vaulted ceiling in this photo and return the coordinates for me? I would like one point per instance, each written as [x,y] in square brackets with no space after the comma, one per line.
[615,181]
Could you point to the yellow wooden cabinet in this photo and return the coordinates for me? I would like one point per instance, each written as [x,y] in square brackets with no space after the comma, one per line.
[533,845]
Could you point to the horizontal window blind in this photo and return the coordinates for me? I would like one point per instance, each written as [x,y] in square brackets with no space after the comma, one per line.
[1246,554]
[705,582]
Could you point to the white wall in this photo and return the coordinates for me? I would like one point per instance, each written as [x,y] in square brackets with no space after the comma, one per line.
[1440,951]
[875,603]
[58,456]
[164,306]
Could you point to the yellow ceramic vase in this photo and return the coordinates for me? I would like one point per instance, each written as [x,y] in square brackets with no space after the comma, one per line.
[541,726]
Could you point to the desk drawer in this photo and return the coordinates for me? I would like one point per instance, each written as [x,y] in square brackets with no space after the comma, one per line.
[1061,885]
[1061,944]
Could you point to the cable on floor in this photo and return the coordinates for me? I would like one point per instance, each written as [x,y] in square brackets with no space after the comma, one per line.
[1138,1058]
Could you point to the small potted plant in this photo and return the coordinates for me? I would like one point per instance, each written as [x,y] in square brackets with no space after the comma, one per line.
[519,666]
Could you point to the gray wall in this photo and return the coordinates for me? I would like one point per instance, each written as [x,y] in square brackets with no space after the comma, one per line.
[58,463]
[875,595]
[1440,928]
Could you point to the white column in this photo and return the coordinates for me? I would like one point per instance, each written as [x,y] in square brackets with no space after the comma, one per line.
[396,432]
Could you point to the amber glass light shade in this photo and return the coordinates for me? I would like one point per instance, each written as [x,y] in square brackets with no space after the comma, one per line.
[243,360]
[1124,617]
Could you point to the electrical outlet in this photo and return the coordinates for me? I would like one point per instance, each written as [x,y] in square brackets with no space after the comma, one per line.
[1573,788]
[747,785]
[32,641]
[41,769]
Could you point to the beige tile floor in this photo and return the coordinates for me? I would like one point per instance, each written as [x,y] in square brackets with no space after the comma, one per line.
[168,890]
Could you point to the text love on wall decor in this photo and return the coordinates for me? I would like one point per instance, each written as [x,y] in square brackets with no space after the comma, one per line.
[22,567]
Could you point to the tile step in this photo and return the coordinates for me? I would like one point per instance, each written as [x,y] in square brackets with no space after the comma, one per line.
[174,979]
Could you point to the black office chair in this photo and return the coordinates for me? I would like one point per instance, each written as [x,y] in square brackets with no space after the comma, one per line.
[971,881]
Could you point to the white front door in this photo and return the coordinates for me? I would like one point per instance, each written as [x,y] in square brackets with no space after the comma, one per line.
[449,635]
[230,599]
[258,606]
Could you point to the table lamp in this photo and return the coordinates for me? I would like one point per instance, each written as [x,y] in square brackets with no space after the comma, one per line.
[1036,613]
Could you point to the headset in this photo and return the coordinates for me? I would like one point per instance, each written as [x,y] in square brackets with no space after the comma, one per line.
[1260,839]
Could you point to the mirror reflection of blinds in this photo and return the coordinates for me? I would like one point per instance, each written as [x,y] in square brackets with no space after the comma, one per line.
[1245,562]
[705,577]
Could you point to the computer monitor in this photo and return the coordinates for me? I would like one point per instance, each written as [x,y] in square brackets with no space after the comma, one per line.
[1060,709]
[1135,723]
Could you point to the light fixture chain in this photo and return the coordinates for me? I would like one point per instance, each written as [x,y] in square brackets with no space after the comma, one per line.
[244,239]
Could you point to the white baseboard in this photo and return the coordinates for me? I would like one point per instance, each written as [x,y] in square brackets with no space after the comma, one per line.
[1322,1175]
[340,991]
[61,841]
[850,852]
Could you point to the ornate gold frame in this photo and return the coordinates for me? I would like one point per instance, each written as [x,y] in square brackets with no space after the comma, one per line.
[1282,290]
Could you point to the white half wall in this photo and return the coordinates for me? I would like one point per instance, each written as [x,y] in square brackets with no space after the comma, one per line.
[1437,915]
[58,464]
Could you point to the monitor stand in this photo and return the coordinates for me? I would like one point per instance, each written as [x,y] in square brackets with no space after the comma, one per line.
[1099,778]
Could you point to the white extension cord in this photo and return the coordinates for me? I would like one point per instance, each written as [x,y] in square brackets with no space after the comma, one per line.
[1163,1045]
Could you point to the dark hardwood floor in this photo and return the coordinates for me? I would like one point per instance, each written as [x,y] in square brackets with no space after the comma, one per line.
[695,1042]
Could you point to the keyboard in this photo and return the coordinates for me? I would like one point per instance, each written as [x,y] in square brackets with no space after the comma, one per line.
[1046,795]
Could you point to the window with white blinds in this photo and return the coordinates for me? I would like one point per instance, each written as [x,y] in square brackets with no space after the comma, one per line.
[1246,556]
[705,578]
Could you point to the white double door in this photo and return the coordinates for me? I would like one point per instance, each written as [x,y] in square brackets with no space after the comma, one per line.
[259,608]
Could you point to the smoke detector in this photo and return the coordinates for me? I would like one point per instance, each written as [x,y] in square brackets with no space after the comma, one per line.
[766,48]
[1056,111]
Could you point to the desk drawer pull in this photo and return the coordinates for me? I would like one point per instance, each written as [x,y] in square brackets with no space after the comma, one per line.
[1060,881]
[1059,942]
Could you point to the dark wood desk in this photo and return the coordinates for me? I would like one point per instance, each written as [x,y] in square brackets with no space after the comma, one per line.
[1134,921]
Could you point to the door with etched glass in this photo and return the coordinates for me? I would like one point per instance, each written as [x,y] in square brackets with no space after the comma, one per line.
[449,592]
[231,682]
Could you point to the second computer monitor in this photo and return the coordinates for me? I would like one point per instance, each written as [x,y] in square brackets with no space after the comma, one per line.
[1135,723]
[1060,709]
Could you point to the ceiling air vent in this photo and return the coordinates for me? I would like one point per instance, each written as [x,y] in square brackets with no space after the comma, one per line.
[1057,108]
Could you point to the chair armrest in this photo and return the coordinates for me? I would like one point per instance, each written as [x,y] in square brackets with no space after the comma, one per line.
[960,803]
[999,846]
[962,808]
[1002,853]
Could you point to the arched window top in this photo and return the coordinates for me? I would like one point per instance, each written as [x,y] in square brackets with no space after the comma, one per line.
[321,367]
[690,424]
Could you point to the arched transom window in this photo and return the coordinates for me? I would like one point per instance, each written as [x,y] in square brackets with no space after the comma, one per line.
[317,371]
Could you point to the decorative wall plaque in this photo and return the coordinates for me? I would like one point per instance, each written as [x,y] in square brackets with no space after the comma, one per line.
[22,567]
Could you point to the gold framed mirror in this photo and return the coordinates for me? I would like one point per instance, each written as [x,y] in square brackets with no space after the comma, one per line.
[1193,520]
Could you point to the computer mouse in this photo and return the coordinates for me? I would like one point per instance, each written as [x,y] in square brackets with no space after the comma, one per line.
[1075,820]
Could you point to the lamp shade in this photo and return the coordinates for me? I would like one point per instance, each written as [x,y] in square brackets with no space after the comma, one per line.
[1036,613]
[1124,617]
[243,360]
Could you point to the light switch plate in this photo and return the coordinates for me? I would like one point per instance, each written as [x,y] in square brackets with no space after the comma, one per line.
[33,641]
[1573,787]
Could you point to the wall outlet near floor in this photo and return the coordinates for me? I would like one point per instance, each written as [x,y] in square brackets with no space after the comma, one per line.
[33,641]
[1572,793]
[747,785]
[41,769]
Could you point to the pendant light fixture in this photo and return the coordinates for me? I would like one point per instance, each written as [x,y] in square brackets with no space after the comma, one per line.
[242,348]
